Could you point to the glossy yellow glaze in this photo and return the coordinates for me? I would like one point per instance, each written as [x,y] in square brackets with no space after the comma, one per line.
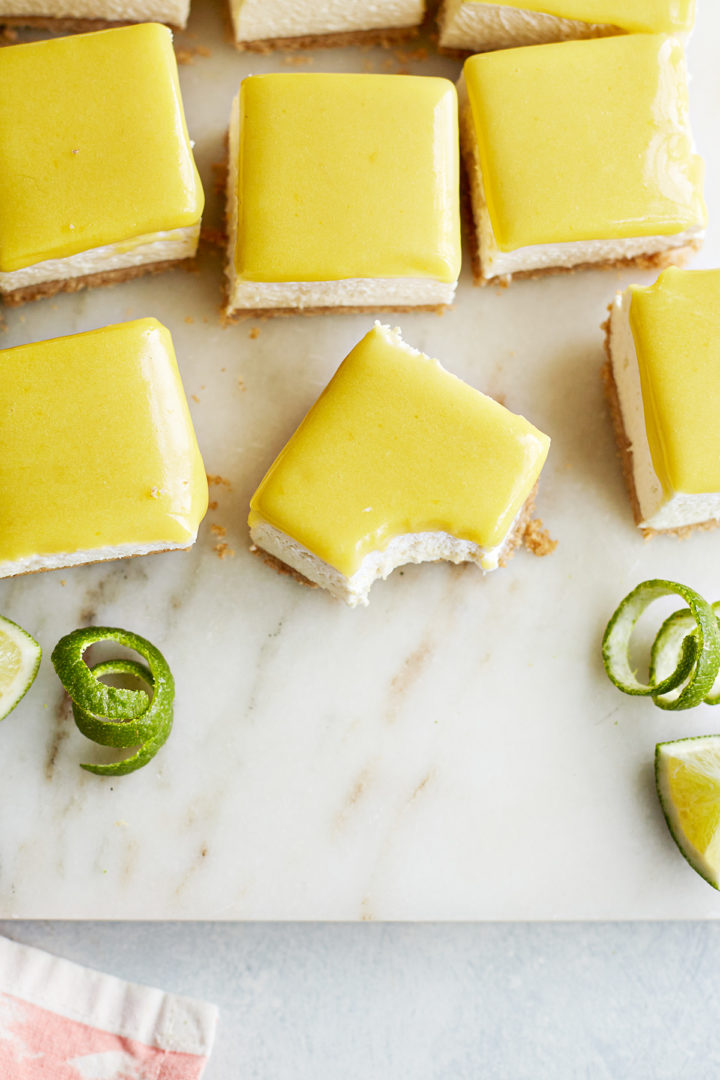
[618,167]
[395,445]
[96,444]
[347,176]
[93,144]
[650,16]
[676,328]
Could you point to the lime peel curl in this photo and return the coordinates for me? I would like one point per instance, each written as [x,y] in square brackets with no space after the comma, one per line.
[111,716]
[685,656]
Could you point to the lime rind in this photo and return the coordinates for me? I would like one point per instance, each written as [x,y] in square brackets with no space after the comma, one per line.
[675,681]
[112,716]
[664,754]
[30,657]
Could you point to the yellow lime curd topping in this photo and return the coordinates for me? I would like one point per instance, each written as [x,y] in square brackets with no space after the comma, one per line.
[93,144]
[650,16]
[347,176]
[97,447]
[621,166]
[676,328]
[396,445]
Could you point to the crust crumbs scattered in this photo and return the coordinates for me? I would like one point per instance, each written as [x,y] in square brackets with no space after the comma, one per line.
[195,398]
[404,55]
[218,530]
[537,539]
[254,333]
[219,169]
[218,481]
[187,54]
[223,551]
[242,385]
[213,237]
[296,59]
[213,504]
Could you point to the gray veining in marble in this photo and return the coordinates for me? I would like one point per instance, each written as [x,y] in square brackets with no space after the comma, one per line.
[454,751]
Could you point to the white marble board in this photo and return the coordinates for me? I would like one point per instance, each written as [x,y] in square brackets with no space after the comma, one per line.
[454,751]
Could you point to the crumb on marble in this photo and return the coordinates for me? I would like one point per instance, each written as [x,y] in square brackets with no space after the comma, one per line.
[537,539]
[189,320]
[254,333]
[218,530]
[212,236]
[213,504]
[215,480]
[224,551]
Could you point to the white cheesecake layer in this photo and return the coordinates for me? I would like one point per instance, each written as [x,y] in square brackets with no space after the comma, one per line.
[659,510]
[33,563]
[495,263]
[479,27]
[260,20]
[347,292]
[172,12]
[408,548]
[153,247]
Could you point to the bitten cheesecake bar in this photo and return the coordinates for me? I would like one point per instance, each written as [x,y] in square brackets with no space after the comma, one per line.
[262,25]
[554,186]
[397,462]
[663,383]
[98,457]
[97,178]
[481,25]
[82,15]
[343,194]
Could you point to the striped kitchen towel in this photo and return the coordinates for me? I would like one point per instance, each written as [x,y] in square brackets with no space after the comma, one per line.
[60,1021]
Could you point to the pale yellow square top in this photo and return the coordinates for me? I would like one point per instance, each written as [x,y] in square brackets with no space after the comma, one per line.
[586,140]
[394,445]
[93,144]
[347,176]
[638,16]
[97,447]
[676,328]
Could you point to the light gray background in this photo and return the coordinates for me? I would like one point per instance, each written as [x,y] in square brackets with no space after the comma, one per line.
[627,1001]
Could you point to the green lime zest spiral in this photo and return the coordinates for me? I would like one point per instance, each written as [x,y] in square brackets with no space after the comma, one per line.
[685,656]
[109,715]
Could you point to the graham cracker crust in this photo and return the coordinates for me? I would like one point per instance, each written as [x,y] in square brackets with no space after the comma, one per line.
[387,37]
[240,314]
[626,454]
[68,26]
[87,281]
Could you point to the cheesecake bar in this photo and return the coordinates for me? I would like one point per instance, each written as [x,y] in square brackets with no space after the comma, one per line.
[262,25]
[482,25]
[343,194]
[663,384]
[398,461]
[97,177]
[98,457]
[68,16]
[555,186]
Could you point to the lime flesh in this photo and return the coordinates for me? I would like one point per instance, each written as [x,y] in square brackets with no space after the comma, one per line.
[19,662]
[687,774]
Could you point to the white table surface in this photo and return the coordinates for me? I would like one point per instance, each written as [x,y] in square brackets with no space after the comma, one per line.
[454,752]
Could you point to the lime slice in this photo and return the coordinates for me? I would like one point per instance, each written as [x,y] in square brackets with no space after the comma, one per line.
[687,774]
[19,662]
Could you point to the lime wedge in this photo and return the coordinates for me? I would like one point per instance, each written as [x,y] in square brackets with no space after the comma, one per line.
[19,662]
[687,774]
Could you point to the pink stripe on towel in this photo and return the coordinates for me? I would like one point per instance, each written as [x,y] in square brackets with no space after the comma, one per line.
[63,1022]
